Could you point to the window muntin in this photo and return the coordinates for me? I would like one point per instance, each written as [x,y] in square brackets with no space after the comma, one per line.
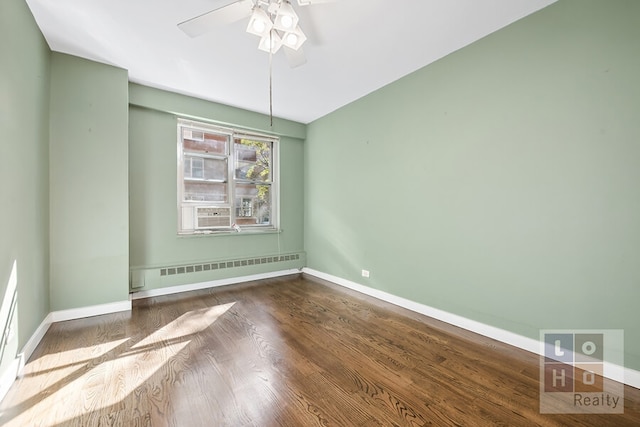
[225,178]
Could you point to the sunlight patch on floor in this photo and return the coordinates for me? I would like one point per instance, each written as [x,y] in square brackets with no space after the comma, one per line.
[102,376]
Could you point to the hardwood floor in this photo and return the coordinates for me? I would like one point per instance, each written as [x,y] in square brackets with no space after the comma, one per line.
[292,351]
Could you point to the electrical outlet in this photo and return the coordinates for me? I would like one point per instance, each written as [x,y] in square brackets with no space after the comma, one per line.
[365,273]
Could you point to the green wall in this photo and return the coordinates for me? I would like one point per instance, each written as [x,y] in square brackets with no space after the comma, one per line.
[24,171]
[499,183]
[154,241]
[88,183]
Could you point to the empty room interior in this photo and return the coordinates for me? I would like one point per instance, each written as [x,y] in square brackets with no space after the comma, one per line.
[352,213]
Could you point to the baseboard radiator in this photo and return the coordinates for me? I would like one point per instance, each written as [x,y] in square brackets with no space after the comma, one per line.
[140,277]
[215,265]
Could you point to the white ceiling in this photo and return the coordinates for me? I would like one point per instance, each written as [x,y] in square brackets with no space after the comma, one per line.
[354,46]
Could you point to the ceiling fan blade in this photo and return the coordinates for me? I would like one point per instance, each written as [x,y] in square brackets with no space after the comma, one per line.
[295,58]
[224,15]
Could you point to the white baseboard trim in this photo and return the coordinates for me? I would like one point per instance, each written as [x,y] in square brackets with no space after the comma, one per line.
[9,376]
[624,375]
[35,339]
[211,284]
[17,365]
[631,377]
[94,310]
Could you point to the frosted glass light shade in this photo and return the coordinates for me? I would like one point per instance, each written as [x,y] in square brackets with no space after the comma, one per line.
[294,39]
[270,43]
[286,18]
[259,23]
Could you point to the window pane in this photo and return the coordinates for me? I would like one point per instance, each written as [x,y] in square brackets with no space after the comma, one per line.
[215,169]
[205,191]
[202,168]
[205,143]
[253,160]
[197,167]
[253,204]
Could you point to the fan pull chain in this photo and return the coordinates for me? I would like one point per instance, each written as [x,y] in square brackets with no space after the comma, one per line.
[271,79]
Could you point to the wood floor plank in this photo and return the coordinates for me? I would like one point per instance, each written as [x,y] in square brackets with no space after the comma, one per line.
[291,351]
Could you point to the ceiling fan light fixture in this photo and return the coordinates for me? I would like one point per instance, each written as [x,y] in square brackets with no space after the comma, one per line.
[259,23]
[270,42]
[286,18]
[272,6]
[294,39]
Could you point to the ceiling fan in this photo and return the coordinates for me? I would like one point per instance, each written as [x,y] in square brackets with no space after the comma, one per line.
[274,21]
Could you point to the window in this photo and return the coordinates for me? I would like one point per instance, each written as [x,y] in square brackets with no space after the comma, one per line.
[225,179]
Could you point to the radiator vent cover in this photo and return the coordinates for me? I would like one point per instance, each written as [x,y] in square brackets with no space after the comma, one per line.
[219,265]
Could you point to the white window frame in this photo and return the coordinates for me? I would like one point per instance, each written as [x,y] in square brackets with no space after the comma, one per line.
[188,221]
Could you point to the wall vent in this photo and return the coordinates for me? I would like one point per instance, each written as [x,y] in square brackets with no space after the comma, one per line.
[216,265]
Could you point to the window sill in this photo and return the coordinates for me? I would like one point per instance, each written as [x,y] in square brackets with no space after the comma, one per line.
[210,233]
